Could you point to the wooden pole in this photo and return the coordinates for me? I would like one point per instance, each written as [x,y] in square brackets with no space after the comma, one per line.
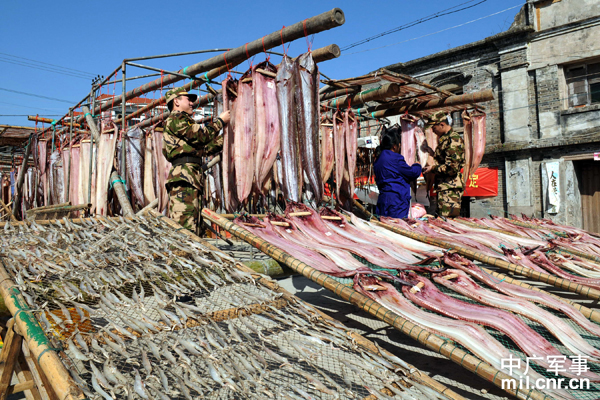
[423,336]
[505,265]
[50,207]
[91,123]
[121,194]
[8,211]
[380,93]
[338,93]
[233,57]
[19,189]
[41,349]
[401,106]
[49,120]
[319,55]
[62,209]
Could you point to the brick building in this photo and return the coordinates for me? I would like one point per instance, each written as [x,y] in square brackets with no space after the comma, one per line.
[544,125]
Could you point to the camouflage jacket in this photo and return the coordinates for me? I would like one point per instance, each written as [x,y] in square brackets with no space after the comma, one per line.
[449,160]
[184,138]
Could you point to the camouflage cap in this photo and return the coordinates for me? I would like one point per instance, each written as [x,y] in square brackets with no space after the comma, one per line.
[436,118]
[174,93]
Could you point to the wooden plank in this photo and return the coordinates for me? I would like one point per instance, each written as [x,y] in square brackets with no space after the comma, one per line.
[8,358]
[21,387]
[24,375]
[43,382]
[23,379]
[35,374]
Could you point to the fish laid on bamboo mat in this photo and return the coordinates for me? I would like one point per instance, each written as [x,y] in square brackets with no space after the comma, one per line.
[491,323]
[143,311]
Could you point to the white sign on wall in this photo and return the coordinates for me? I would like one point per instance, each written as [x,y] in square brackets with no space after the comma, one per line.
[553,173]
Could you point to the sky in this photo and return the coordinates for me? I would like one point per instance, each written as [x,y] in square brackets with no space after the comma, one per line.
[82,39]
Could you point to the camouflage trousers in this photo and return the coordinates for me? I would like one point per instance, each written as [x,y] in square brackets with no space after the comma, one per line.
[184,206]
[448,202]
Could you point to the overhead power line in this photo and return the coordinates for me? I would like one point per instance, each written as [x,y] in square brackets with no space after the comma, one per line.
[52,65]
[442,13]
[434,33]
[37,95]
[29,107]
[48,69]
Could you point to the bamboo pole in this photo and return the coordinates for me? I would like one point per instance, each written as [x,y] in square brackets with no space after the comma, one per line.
[423,336]
[41,349]
[591,314]
[505,265]
[402,106]
[557,233]
[421,378]
[578,253]
[488,228]
[233,57]
[121,193]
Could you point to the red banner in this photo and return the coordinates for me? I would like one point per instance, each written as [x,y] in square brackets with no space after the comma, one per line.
[483,183]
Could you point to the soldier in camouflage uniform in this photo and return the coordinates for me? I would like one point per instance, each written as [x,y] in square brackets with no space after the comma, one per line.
[449,159]
[185,143]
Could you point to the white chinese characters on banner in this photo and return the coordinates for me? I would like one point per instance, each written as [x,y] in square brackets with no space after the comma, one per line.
[553,173]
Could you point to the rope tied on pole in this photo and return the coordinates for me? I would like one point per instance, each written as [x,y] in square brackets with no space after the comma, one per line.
[112,183]
[265,50]
[227,65]
[282,42]
[308,43]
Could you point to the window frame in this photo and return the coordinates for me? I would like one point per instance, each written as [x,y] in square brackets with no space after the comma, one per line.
[587,80]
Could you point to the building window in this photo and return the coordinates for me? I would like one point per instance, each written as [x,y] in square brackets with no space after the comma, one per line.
[583,84]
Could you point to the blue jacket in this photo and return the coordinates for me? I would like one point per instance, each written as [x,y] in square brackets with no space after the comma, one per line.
[392,175]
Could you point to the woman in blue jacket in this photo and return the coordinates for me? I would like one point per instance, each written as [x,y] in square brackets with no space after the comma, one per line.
[393,176]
